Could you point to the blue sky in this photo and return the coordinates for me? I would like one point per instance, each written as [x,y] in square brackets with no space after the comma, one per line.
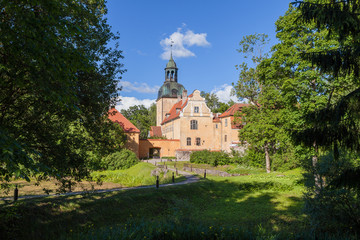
[206,35]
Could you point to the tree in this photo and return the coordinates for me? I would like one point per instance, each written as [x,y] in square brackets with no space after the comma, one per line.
[248,86]
[263,118]
[341,60]
[58,79]
[336,125]
[141,117]
[212,101]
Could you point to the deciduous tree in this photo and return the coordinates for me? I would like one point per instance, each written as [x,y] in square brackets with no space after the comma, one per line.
[58,79]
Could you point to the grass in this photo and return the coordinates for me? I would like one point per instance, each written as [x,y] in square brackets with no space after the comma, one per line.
[269,202]
[138,175]
[234,168]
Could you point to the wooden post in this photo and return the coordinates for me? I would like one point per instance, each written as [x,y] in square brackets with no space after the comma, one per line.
[155,162]
[175,165]
[177,174]
[173,178]
[190,168]
[205,173]
[157,181]
[16,193]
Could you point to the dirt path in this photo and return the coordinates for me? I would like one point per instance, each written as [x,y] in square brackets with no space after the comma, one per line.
[190,178]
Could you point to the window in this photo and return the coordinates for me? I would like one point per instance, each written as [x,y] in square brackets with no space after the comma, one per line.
[225,122]
[188,141]
[193,124]
[196,109]
[225,138]
[198,141]
[216,126]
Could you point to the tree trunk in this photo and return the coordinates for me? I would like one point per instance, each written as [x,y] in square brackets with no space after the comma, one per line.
[317,177]
[267,158]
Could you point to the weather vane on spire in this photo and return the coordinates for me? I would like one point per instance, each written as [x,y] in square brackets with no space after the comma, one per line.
[171,45]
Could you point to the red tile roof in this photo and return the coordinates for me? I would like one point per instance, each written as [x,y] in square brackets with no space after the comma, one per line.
[173,113]
[155,131]
[216,118]
[115,116]
[234,108]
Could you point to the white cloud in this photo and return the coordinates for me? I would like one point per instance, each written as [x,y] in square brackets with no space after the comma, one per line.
[138,87]
[224,93]
[181,41]
[127,102]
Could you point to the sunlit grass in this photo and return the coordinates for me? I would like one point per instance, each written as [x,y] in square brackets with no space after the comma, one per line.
[272,201]
[138,175]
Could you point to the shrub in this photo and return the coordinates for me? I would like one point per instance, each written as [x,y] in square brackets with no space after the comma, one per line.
[212,158]
[336,203]
[119,160]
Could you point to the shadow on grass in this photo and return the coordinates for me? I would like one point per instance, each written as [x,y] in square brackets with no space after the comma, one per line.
[207,202]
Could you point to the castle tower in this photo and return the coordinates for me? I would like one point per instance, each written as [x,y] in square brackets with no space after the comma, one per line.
[169,92]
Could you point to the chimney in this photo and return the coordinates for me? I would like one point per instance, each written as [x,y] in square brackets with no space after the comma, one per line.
[184,95]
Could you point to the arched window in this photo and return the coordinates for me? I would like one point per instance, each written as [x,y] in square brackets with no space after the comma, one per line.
[168,74]
[188,141]
[198,141]
[174,92]
[193,124]
[172,74]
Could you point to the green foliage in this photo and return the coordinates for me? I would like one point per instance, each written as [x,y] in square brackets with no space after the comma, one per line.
[170,229]
[337,203]
[141,117]
[252,158]
[212,158]
[212,101]
[58,79]
[119,160]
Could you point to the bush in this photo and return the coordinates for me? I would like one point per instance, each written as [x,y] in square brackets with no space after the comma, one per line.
[212,158]
[335,204]
[119,160]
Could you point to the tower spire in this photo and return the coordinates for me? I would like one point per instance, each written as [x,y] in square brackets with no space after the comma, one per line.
[171,45]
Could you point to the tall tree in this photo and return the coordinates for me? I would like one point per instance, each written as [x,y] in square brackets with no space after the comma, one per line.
[340,60]
[57,80]
[263,118]
[141,117]
[336,125]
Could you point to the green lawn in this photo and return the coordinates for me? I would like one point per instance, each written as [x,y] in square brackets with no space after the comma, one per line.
[270,203]
[138,175]
[227,168]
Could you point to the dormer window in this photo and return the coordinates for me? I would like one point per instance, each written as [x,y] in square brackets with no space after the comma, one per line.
[177,110]
[196,109]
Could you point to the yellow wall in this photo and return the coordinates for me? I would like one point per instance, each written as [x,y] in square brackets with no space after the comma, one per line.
[132,142]
[167,146]
[232,134]
[163,106]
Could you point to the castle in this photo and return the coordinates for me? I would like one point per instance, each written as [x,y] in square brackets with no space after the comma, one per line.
[187,123]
